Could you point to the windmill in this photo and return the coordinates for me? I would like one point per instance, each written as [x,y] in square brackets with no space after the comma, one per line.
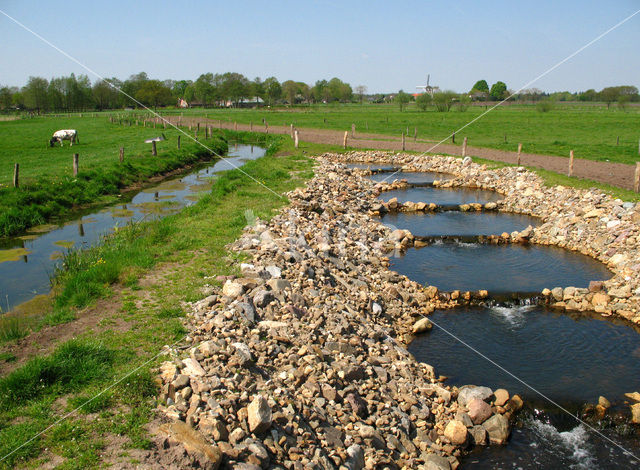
[428,88]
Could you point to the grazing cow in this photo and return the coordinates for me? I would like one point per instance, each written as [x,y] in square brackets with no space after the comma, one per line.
[65,134]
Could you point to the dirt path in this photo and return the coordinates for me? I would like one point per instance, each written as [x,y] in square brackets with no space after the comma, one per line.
[615,174]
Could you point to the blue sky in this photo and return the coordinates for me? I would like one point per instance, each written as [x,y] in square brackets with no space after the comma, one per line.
[383,45]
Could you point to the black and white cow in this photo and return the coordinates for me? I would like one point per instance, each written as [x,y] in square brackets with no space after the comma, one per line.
[65,134]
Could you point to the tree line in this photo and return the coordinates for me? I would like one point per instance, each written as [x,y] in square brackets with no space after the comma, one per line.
[77,93]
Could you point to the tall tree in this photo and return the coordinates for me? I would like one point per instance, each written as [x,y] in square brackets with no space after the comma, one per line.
[273,90]
[402,99]
[290,91]
[481,85]
[360,91]
[154,93]
[498,91]
[35,94]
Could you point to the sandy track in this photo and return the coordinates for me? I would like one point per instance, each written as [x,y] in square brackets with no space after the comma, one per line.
[615,174]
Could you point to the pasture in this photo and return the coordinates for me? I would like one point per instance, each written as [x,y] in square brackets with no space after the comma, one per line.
[593,132]
[47,186]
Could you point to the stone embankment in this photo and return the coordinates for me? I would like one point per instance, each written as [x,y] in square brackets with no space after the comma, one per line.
[587,221]
[301,362]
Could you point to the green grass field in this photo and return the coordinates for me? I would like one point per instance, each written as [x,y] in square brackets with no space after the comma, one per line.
[184,251]
[48,188]
[591,131]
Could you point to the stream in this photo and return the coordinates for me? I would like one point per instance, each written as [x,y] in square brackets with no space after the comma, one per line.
[570,358]
[28,261]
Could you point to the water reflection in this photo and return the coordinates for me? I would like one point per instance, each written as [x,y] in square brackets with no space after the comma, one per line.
[22,276]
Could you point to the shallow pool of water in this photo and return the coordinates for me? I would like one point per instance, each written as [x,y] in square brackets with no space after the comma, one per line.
[450,223]
[500,269]
[412,177]
[442,196]
[571,359]
[372,166]
[26,275]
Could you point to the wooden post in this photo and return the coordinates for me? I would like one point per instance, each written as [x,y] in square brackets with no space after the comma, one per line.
[235,125]
[179,141]
[571,163]
[403,142]
[164,124]
[154,151]
[154,123]
[295,138]
[464,147]
[291,129]
[344,142]
[250,126]
[505,138]
[75,164]
[353,130]
[453,138]
[618,141]
[198,128]
[636,179]
[415,134]
[189,126]
[16,175]
[206,133]
[266,127]
[121,154]
[519,152]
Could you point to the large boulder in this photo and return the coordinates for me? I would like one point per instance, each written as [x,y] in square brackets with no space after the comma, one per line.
[469,392]
[498,429]
[456,432]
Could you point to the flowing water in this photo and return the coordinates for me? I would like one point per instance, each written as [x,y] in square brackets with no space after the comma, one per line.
[571,359]
[27,262]
[442,196]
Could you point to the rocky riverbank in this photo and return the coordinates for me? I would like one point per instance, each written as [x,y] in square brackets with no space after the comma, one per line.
[587,221]
[300,362]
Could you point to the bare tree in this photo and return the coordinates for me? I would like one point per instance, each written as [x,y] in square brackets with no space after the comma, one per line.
[361,90]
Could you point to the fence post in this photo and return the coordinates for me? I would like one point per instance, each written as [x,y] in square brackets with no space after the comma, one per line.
[179,142]
[519,152]
[291,129]
[198,128]
[453,138]
[403,147]
[250,126]
[154,151]
[295,138]
[121,154]
[353,130]
[636,179]
[571,163]
[235,125]
[266,127]
[464,147]
[76,157]
[415,134]
[16,175]
[344,142]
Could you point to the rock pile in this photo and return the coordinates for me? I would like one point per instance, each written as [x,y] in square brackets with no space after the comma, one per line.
[588,221]
[300,362]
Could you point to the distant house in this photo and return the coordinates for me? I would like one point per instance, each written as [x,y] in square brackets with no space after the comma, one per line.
[245,102]
[182,103]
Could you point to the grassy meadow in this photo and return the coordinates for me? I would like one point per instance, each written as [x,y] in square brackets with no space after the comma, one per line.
[591,131]
[143,273]
[47,186]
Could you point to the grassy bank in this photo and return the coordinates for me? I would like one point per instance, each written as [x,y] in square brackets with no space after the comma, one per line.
[594,132]
[48,188]
[134,285]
